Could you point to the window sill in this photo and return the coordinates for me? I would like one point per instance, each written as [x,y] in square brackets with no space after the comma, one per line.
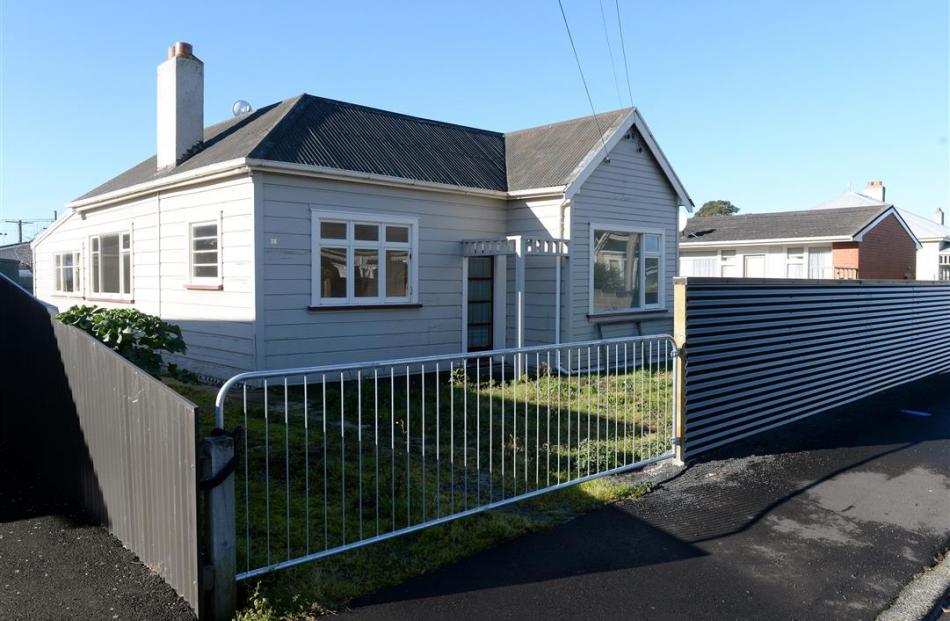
[198,287]
[113,300]
[359,307]
[648,313]
[65,294]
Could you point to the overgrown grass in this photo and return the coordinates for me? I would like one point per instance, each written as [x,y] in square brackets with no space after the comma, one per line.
[355,457]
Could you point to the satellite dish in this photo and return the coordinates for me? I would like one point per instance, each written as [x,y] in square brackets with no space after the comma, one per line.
[241,107]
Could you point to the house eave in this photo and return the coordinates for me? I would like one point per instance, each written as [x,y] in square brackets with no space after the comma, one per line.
[212,172]
[348,175]
[765,242]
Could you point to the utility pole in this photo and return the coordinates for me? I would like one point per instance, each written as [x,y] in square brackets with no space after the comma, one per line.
[19,225]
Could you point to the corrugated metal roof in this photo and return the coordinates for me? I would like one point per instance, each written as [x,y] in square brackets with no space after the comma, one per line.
[315,131]
[843,222]
[546,156]
[224,141]
[335,134]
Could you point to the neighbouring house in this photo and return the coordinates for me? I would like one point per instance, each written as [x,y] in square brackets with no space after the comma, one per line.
[870,242]
[313,231]
[944,263]
[18,263]
[933,235]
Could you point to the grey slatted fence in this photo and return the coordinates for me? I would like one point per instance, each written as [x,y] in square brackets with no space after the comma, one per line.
[761,353]
[337,457]
[116,442]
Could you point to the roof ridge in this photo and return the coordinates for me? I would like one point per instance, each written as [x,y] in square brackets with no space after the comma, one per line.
[252,153]
[402,115]
[626,110]
[792,212]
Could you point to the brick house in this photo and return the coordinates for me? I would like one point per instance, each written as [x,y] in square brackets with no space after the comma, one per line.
[868,242]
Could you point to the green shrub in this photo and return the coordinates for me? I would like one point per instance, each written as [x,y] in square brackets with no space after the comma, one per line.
[136,336]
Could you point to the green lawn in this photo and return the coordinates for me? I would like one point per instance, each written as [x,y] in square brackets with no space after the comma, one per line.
[469,441]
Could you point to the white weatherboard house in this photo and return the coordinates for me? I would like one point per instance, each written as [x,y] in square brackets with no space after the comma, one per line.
[313,231]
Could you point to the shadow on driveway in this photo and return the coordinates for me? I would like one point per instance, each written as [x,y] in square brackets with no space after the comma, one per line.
[55,564]
[826,518]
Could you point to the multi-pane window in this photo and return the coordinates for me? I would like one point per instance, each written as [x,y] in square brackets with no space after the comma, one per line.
[626,270]
[66,272]
[110,264]
[730,264]
[362,261]
[205,251]
[795,263]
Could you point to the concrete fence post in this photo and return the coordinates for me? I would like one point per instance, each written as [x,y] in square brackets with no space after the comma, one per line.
[679,374]
[220,587]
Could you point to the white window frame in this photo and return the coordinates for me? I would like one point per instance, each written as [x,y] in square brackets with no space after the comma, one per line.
[58,269]
[125,295]
[661,277]
[350,244]
[802,262]
[729,261]
[191,279]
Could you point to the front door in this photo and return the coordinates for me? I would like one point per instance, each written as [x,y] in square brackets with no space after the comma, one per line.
[481,272]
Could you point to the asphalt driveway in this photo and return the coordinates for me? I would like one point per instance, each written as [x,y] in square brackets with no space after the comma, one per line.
[827,518]
[56,565]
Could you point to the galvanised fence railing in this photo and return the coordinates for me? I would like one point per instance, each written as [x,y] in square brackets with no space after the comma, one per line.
[337,457]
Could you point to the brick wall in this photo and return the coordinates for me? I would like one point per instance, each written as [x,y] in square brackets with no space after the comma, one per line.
[845,255]
[886,252]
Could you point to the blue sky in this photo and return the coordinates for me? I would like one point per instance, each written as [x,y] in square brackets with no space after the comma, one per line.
[772,105]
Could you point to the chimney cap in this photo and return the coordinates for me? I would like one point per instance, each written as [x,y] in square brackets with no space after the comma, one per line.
[180,48]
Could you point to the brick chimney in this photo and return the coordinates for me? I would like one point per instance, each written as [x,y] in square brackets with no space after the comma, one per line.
[180,104]
[875,189]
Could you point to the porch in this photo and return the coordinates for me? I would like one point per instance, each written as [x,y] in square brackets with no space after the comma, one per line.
[488,278]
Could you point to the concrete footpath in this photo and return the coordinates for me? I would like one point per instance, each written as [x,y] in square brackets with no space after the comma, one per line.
[828,518]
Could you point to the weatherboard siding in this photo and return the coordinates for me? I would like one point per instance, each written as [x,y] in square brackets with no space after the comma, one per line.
[535,218]
[295,336]
[218,326]
[629,190]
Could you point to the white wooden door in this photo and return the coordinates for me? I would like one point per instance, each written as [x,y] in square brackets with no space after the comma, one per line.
[754,265]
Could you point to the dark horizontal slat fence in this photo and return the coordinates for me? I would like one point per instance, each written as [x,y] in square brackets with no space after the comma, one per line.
[103,434]
[761,353]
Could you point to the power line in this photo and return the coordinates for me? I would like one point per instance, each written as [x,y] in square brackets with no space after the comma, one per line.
[623,47]
[583,79]
[610,50]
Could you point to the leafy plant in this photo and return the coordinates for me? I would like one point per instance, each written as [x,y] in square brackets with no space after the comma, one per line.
[135,335]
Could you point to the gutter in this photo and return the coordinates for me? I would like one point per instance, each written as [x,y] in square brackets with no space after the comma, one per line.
[346,175]
[212,172]
[765,242]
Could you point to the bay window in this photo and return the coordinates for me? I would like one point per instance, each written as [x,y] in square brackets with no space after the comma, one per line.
[363,259]
[110,265]
[66,272]
[626,269]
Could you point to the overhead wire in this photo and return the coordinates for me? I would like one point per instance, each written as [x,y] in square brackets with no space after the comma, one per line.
[610,51]
[623,48]
[580,69]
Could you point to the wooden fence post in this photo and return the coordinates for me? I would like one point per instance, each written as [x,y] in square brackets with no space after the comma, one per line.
[679,339]
[221,589]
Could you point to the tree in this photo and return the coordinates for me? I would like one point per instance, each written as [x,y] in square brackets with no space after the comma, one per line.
[717,208]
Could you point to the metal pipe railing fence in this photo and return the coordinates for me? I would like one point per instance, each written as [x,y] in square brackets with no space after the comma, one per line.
[337,457]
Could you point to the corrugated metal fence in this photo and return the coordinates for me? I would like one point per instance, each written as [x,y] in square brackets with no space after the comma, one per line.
[102,433]
[763,353]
